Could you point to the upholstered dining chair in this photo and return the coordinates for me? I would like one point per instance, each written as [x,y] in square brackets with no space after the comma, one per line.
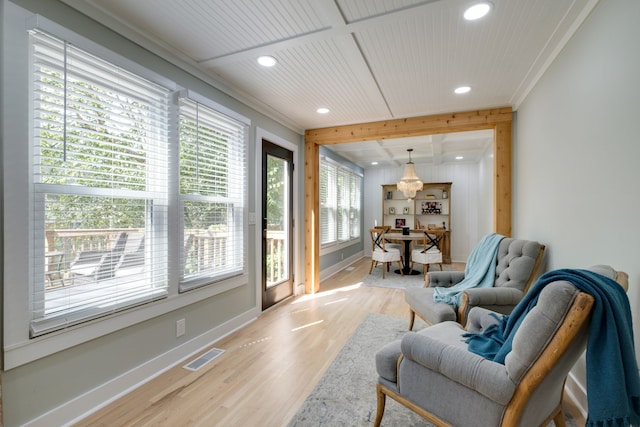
[388,243]
[433,373]
[383,252]
[429,252]
[517,264]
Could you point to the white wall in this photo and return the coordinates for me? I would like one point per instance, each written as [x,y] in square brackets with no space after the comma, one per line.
[470,200]
[576,168]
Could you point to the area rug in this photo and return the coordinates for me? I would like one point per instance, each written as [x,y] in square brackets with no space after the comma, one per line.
[397,281]
[346,394]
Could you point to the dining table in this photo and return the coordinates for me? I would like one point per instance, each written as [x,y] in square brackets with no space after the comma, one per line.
[406,239]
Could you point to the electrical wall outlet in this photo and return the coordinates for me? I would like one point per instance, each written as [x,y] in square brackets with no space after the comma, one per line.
[181,327]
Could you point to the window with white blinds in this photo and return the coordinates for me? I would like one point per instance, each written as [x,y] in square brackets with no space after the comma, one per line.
[339,203]
[213,194]
[100,186]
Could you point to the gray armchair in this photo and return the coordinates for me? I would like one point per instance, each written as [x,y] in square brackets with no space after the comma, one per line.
[517,265]
[433,373]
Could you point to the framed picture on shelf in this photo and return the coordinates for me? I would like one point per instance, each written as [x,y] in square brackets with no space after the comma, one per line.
[400,222]
[392,210]
[405,210]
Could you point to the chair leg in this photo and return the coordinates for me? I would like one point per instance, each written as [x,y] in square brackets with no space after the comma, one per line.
[401,268]
[412,318]
[384,268]
[380,409]
[371,268]
[558,419]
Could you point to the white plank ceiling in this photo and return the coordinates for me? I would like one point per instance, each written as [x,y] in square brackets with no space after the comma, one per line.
[365,60]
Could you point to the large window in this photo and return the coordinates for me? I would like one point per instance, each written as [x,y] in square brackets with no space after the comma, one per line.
[212,194]
[339,203]
[107,165]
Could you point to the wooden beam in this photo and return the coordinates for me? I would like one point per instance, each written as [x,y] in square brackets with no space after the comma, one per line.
[311,218]
[400,128]
[498,119]
[502,181]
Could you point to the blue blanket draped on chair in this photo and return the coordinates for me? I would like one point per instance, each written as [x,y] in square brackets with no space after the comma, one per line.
[479,272]
[613,393]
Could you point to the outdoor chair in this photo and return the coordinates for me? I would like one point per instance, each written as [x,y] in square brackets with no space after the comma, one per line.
[434,373]
[99,264]
[517,263]
[132,259]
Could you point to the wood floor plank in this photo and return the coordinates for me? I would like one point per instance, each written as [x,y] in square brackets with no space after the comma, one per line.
[268,367]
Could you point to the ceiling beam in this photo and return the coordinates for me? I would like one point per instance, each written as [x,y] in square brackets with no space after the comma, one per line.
[414,126]
[498,119]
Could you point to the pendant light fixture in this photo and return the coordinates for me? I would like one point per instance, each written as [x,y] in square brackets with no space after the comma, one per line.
[409,184]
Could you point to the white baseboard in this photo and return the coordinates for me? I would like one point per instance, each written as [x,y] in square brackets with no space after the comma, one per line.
[576,392]
[101,396]
[328,272]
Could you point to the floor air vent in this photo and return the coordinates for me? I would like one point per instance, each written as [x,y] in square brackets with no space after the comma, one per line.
[198,363]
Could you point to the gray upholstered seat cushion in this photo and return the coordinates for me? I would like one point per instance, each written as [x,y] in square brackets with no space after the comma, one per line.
[441,348]
[421,301]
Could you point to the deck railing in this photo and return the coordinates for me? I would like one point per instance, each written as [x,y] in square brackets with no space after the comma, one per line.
[206,249]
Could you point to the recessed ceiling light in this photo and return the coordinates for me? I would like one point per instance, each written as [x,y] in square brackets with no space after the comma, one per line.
[477,11]
[322,110]
[462,89]
[267,61]
[459,157]
[374,163]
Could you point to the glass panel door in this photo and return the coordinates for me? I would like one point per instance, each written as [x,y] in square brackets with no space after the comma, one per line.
[277,224]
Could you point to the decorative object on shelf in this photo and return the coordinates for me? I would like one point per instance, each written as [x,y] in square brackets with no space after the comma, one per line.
[445,194]
[400,222]
[409,184]
[431,208]
[392,210]
[405,210]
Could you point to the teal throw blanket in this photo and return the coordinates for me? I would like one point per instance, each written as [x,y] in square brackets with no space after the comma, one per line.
[479,272]
[613,383]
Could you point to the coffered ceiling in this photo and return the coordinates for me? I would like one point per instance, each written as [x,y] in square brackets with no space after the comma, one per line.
[364,60]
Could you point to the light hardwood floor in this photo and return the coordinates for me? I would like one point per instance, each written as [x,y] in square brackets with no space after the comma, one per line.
[268,368]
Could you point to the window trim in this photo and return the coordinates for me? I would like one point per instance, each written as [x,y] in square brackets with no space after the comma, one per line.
[195,283]
[338,244]
[19,349]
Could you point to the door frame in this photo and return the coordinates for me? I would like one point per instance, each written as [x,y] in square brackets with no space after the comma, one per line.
[255,220]
[498,119]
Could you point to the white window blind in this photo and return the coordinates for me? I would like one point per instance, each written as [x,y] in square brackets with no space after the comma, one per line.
[328,203]
[339,203]
[213,194]
[342,189]
[100,186]
[354,205]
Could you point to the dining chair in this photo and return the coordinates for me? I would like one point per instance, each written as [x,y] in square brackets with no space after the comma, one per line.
[382,251]
[429,252]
